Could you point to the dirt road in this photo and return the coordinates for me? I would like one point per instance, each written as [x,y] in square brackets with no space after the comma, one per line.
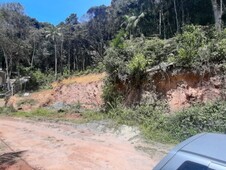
[58,146]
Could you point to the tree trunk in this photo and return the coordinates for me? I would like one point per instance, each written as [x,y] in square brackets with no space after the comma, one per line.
[164,26]
[218,11]
[77,67]
[10,65]
[61,56]
[74,60]
[182,13]
[69,58]
[7,69]
[55,48]
[83,62]
[160,22]
[175,10]
[33,54]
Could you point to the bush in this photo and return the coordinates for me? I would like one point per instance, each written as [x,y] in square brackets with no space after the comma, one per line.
[137,64]
[137,70]
[111,95]
[40,80]
[118,41]
[189,42]
[6,110]
[154,51]
[197,119]
[158,126]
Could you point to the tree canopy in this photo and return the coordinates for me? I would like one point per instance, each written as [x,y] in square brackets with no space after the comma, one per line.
[74,45]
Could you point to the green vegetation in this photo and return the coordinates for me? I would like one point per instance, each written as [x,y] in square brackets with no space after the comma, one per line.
[201,118]
[152,120]
[125,40]
[31,114]
[158,126]
[26,101]
[73,46]
[197,48]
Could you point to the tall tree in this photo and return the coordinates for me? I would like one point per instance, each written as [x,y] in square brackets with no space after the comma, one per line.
[218,12]
[54,34]
[13,32]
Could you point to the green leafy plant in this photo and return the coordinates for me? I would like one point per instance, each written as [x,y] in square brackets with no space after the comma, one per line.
[137,70]
[201,118]
[137,64]
[111,95]
[189,42]
[118,41]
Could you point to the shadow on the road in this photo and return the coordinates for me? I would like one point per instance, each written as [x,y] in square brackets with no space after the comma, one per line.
[8,159]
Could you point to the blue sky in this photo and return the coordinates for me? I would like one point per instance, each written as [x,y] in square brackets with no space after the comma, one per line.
[55,11]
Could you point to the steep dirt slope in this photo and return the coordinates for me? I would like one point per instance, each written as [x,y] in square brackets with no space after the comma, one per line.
[83,90]
[185,88]
[180,90]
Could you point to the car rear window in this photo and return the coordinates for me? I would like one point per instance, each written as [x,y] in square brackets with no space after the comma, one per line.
[188,165]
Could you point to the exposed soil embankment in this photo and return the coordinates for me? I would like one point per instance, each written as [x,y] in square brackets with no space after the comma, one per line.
[184,88]
[84,91]
[87,95]
[180,89]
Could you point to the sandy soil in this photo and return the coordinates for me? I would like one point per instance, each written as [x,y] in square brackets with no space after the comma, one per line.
[55,146]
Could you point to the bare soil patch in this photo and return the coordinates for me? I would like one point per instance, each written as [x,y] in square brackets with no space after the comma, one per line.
[85,91]
[62,146]
[185,88]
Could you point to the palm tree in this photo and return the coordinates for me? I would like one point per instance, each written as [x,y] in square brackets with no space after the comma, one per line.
[131,22]
[54,34]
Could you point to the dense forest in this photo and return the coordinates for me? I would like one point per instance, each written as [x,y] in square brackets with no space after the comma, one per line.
[74,46]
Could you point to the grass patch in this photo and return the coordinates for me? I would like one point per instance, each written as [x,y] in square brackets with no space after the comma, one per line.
[150,120]
[30,102]
[6,110]
[90,115]
[84,116]
[153,123]
[157,126]
[36,113]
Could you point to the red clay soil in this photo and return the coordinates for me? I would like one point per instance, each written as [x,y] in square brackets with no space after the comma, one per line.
[41,99]
[84,90]
[51,146]
[186,88]
[11,160]
[184,97]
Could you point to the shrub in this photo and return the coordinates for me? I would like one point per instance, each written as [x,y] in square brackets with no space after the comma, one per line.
[219,51]
[115,61]
[189,42]
[118,41]
[111,95]
[197,119]
[40,80]
[158,126]
[149,118]
[137,64]
[137,69]
[154,51]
